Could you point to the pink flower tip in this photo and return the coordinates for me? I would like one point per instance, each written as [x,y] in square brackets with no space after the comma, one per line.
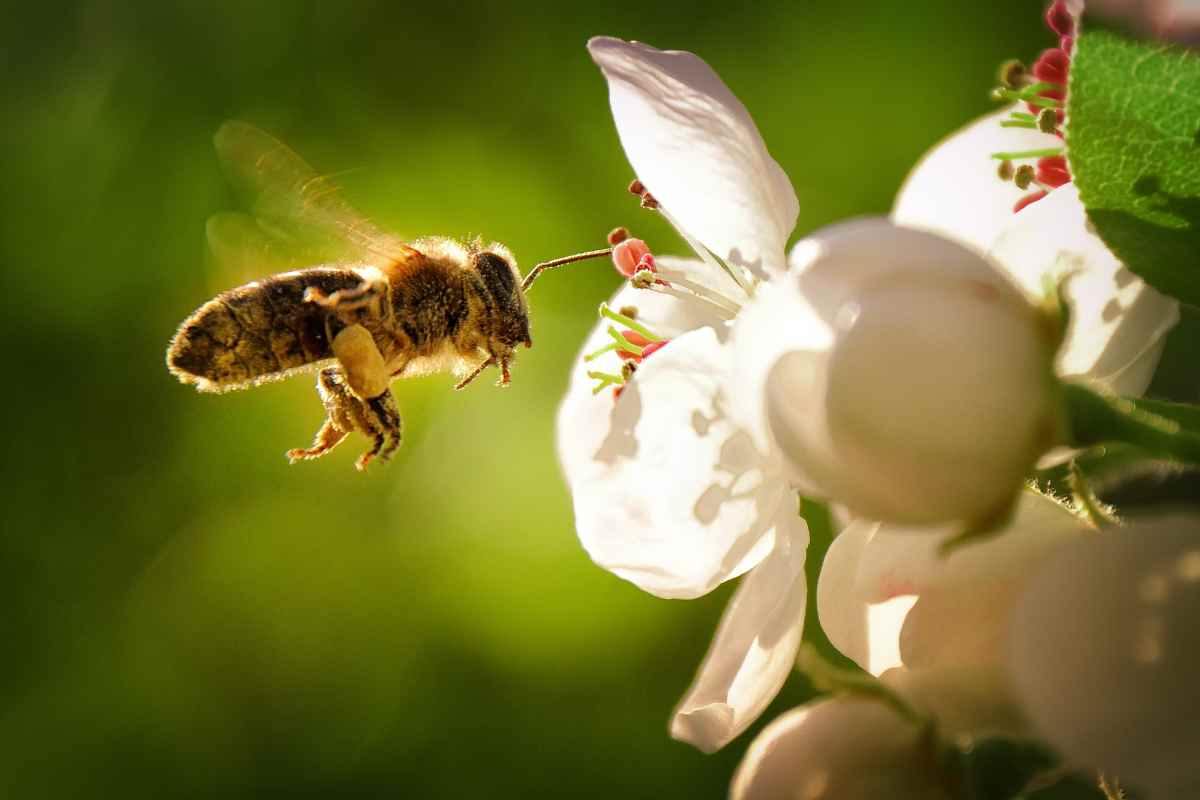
[654,347]
[628,257]
[1028,199]
[1059,18]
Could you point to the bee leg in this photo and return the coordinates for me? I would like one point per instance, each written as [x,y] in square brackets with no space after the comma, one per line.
[383,418]
[377,418]
[335,396]
[369,299]
[328,437]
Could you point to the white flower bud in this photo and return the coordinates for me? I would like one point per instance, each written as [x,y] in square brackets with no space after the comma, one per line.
[933,393]
[1105,650]
[840,749]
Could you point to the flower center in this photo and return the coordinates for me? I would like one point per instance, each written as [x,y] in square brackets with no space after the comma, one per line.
[1043,89]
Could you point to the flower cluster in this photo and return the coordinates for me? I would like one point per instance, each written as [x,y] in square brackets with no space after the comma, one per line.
[912,372]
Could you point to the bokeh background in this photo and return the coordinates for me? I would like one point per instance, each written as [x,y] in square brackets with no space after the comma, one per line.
[184,614]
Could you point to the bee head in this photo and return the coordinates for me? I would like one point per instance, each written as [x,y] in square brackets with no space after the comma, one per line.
[497,269]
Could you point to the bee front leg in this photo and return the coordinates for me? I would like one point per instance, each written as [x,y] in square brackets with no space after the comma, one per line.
[378,418]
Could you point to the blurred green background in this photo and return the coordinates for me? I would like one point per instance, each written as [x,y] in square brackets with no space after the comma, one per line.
[186,615]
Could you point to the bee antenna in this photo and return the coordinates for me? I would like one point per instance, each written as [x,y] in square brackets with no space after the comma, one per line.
[560,262]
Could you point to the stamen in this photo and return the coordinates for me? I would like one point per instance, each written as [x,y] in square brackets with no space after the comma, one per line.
[1053,171]
[643,279]
[1013,74]
[628,256]
[1042,97]
[744,283]
[1006,171]
[1047,121]
[720,310]
[1029,199]
[623,343]
[617,235]
[608,348]
[629,311]
[605,379]
[1023,154]
[1059,19]
[676,278]
[1024,176]
[628,322]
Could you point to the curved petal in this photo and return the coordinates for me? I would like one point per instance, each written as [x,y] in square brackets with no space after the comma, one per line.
[954,190]
[755,646]
[887,596]
[849,748]
[907,560]
[1104,649]
[669,493]
[841,607]
[587,418]
[968,700]
[696,149]
[776,321]
[1118,324]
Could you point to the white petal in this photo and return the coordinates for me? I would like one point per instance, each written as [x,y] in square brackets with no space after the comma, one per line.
[755,646]
[1105,649]
[845,748]
[841,607]
[669,493]
[696,149]
[967,701]
[907,560]
[587,417]
[873,573]
[1118,323]
[954,190]
[778,320]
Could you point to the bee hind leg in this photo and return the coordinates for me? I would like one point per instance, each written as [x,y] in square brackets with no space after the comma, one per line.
[377,418]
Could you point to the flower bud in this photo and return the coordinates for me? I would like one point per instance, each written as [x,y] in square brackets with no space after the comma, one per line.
[933,393]
[1104,651]
[844,748]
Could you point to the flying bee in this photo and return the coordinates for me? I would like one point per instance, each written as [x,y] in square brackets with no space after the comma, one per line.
[385,308]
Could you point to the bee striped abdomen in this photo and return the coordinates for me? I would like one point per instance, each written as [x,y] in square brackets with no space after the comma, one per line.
[261,331]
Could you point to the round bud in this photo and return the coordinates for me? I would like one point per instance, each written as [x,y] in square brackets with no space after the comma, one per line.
[845,748]
[934,393]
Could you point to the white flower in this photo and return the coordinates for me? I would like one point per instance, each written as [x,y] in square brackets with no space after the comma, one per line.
[672,491]
[840,749]
[1118,323]
[1105,650]
[933,626]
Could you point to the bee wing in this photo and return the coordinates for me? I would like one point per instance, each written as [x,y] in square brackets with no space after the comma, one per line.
[243,248]
[304,211]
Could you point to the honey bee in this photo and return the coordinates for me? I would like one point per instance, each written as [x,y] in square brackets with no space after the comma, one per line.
[386,308]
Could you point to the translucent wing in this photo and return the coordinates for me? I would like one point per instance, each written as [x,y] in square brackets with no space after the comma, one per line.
[294,206]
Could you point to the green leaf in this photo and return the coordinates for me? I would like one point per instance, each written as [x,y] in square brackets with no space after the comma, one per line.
[1159,428]
[1133,139]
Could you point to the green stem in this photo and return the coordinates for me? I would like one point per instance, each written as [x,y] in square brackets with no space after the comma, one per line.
[1018,123]
[1096,510]
[1096,419]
